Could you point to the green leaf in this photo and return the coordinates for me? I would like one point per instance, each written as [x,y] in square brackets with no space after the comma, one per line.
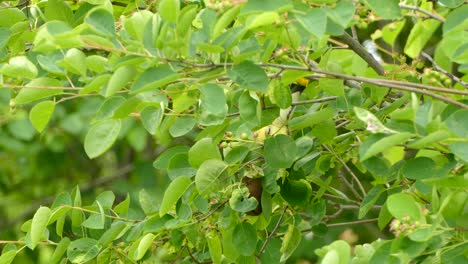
[143,246]
[39,90]
[296,192]
[249,108]
[451,3]
[101,137]
[384,217]
[151,118]
[332,86]
[5,35]
[213,107]
[458,182]
[60,250]
[391,31]
[153,78]
[119,79]
[112,233]
[39,225]
[11,16]
[370,199]
[7,257]
[384,144]
[96,84]
[309,120]
[211,177]
[236,154]
[263,19]
[460,149]
[429,140]
[214,245]
[314,21]
[282,96]
[173,192]
[280,151]
[337,252]
[179,166]
[419,168]
[162,162]
[456,18]
[402,204]
[241,202]
[182,126]
[386,10]
[373,123]
[40,114]
[83,250]
[419,36]
[244,238]
[291,240]
[169,10]
[202,150]
[342,13]
[457,123]
[19,67]
[101,21]
[223,22]
[250,76]
[74,62]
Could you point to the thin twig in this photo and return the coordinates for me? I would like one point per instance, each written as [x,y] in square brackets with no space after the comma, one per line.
[356,179]
[362,52]
[365,221]
[272,233]
[213,211]
[313,101]
[44,87]
[420,10]
[191,256]
[446,73]
[354,222]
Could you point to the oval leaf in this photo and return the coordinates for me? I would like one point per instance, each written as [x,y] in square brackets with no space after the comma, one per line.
[211,177]
[174,191]
[101,137]
[40,114]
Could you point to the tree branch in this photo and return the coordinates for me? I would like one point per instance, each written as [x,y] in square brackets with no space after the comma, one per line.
[420,10]
[272,232]
[440,69]
[362,52]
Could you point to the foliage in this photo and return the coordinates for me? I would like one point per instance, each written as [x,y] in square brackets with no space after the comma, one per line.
[273,131]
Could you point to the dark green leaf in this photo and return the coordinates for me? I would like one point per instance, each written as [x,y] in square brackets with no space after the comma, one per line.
[280,151]
[244,238]
[250,76]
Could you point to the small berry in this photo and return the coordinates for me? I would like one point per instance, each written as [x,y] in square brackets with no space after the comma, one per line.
[244,136]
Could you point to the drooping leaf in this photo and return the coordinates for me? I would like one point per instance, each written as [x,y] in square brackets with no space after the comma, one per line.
[370,199]
[173,192]
[101,137]
[291,240]
[213,107]
[39,225]
[40,114]
[244,238]
[83,250]
[211,177]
